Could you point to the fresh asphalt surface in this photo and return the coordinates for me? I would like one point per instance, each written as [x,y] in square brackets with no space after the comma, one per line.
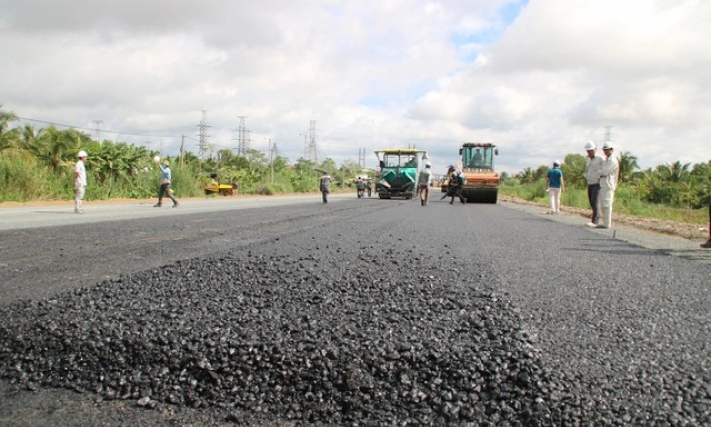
[582,292]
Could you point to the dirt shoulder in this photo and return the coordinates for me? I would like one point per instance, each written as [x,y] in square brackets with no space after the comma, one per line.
[673,228]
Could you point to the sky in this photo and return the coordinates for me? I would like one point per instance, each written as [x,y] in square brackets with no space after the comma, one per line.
[538,78]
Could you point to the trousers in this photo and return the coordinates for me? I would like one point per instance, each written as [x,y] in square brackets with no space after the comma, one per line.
[594,199]
[554,197]
[607,197]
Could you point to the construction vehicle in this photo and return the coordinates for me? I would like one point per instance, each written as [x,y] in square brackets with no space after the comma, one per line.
[398,171]
[214,187]
[481,183]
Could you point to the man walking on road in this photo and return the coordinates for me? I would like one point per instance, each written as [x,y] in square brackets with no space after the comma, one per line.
[165,177]
[455,185]
[608,183]
[593,167]
[325,186]
[79,181]
[423,184]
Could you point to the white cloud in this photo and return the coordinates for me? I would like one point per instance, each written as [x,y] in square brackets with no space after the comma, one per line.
[434,74]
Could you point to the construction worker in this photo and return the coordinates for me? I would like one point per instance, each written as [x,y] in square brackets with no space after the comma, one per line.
[325,186]
[455,185]
[556,186]
[593,167]
[608,183]
[423,184]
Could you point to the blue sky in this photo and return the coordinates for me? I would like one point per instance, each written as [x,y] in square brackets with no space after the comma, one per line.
[539,77]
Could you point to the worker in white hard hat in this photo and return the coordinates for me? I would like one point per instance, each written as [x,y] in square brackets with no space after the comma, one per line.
[593,170]
[556,185]
[164,190]
[424,182]
[79,181]
[608,183]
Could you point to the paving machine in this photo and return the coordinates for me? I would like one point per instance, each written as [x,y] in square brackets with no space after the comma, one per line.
[482,181]
[398,171]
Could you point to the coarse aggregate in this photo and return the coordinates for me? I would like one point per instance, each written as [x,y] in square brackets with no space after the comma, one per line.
[280,337]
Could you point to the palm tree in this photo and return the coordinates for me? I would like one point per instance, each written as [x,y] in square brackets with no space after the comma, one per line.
[628,166]
[674,172]
[9,138]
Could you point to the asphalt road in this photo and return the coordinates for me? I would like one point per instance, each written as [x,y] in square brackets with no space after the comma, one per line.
[568,281]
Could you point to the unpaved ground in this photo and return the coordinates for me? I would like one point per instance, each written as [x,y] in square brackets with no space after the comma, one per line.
[672,228]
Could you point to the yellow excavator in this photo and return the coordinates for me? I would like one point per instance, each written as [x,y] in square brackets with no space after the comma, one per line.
[481,183]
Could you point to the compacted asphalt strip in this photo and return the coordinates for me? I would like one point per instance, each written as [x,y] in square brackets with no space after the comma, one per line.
[622,315]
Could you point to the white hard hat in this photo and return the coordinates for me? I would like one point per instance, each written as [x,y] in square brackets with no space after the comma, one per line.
[607,145]
[590,146]
[81,154]
[556,162]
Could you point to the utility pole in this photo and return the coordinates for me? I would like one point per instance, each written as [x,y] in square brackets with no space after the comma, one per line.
[608,133]
[182,151]
[204,145]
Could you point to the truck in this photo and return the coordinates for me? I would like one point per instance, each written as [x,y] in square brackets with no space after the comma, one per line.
[481,183]
[398,172]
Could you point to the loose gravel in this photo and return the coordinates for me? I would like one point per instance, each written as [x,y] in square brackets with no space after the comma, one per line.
[281,338]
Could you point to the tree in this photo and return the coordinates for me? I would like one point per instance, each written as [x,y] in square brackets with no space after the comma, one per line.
[574,170]
[628,166]
[9,140]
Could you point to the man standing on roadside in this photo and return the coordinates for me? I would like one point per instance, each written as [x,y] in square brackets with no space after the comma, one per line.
[556,184]
[593,167]
[79,181]
[608,183]
[165,177]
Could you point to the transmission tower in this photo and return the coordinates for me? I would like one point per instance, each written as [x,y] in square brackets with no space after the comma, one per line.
[361,157]
[608,133]
[204,144]
[98,124]
[242,137]
[312,150]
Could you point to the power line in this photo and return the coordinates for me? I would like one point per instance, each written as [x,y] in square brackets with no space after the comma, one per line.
[94,129]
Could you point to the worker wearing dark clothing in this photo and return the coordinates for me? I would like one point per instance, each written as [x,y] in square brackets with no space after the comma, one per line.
[454,188]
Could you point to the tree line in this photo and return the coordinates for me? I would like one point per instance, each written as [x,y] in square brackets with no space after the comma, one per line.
[38,164]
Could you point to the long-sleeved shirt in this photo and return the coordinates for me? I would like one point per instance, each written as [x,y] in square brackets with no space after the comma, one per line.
[609,172]
[165,174]
[593,169]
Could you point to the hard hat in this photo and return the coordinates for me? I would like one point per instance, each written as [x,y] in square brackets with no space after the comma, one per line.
[451,167]
[590,146]
[556,162]
[428,165]
[607,145]
[82,154]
